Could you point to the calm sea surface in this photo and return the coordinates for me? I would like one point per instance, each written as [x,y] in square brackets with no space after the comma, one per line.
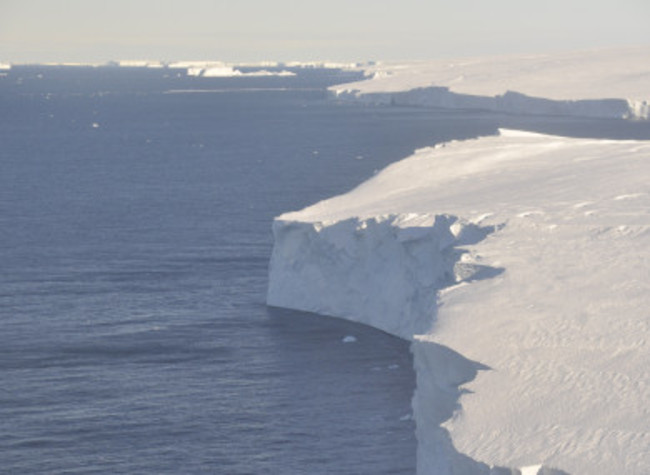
[135,216]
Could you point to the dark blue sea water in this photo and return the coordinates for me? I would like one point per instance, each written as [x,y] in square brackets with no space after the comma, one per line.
[134,243]
[135,222]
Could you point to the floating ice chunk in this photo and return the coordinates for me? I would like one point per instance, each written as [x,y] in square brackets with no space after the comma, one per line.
[349,339]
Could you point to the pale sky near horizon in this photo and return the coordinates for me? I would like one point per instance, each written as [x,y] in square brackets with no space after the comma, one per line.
[338,30]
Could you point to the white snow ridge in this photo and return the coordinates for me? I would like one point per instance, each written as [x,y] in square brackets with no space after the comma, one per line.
[519,267]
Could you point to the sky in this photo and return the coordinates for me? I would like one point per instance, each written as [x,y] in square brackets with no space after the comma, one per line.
[336,30]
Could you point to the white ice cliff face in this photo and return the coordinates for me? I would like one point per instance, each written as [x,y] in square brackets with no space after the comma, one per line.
[518,266]
[384,271]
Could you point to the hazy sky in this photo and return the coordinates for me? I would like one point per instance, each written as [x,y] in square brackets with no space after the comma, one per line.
[245,30]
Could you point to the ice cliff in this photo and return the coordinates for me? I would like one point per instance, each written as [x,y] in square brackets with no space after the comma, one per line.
[393,267]
[607,84]
[518,266]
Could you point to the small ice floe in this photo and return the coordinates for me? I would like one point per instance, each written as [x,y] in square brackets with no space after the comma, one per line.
[95,125]
[349,339]
[359,157]
[406,417]
[393,366]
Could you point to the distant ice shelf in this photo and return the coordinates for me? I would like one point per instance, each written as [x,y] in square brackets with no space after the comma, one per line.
[518,265]
[602,83]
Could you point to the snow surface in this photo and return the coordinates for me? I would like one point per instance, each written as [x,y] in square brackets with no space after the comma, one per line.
[602,83]
[519,266]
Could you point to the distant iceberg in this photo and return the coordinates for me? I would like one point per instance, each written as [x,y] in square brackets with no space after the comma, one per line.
[130,63]
[229,71]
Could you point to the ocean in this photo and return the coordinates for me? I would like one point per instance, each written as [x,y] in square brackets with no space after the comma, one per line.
[135,219]
[135,234]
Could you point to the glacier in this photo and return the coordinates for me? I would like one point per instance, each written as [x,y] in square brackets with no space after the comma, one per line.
[518,267]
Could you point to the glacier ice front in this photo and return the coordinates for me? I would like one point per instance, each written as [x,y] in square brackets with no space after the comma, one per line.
[383,271]
[518,266]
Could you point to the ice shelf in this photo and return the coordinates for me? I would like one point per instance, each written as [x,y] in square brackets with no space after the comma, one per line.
[601,83]
[519,267]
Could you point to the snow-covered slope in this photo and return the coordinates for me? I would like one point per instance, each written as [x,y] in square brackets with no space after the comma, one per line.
[519,265]
[603,83]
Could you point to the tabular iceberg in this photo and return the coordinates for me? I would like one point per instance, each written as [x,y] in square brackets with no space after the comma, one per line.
[518,266]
